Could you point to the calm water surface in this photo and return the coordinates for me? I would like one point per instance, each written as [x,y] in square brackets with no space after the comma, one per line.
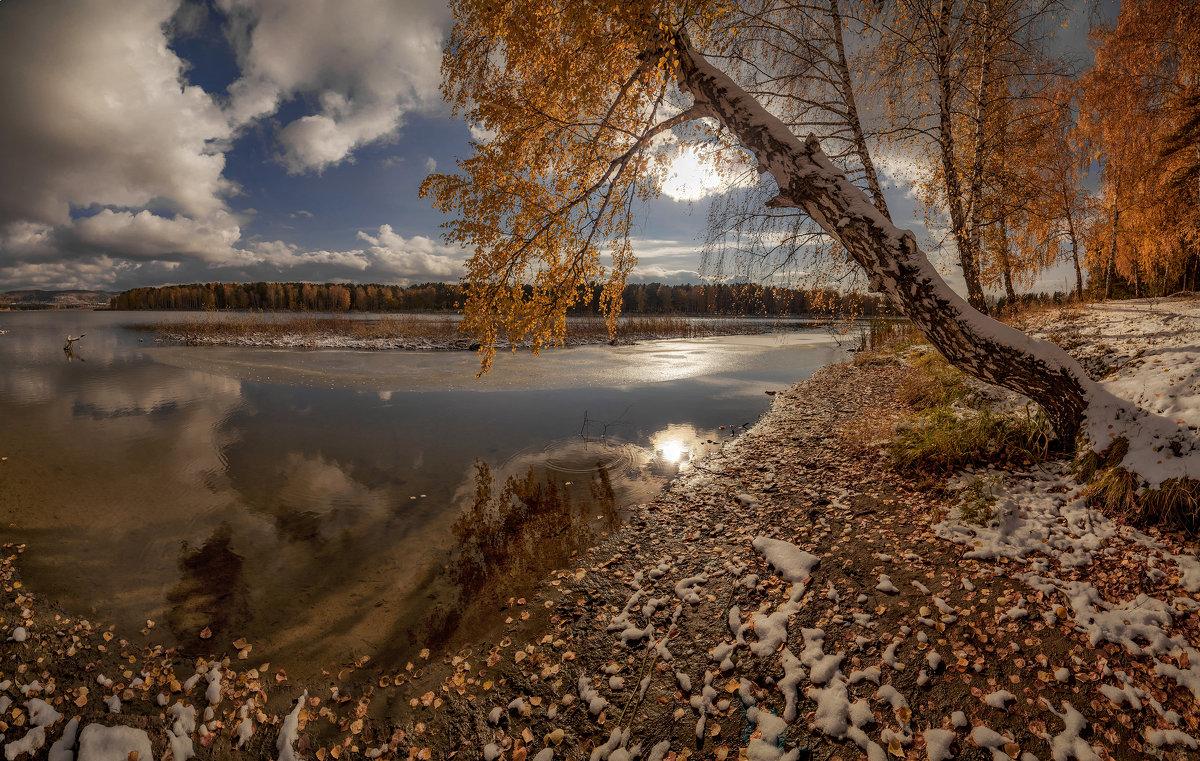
[305,499]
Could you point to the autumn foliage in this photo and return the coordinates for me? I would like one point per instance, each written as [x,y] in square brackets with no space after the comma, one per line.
[1140,113]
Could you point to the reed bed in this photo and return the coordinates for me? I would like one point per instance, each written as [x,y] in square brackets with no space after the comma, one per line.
[418,331]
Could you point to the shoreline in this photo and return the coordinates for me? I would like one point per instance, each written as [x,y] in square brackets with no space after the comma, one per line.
[676,629]
[926,616]
[411,333]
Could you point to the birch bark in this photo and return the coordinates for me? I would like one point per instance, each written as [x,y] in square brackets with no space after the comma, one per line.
[807,180]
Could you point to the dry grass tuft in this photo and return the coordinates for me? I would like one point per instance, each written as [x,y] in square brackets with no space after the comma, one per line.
[1116,491]
[884,339]
[952,428]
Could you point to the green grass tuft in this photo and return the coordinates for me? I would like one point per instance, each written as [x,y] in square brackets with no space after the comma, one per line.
[954,427]
[942,441]
[978,501]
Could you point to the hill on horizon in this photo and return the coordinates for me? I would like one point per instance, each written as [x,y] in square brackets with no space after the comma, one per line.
[33,298]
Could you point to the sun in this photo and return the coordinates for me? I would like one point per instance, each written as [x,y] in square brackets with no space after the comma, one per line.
[691,176]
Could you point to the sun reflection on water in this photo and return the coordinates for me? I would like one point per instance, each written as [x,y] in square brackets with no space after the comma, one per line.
[672,451]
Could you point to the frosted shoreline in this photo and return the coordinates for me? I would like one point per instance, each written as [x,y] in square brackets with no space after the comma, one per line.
[333,341]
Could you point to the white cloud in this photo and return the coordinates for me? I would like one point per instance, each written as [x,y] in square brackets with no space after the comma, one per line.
[86,273]
[367,63]
[388,257]
[659,274]
[481,134]
[900,170]
[665,261]
[415,259]
[149,237]
[113,165]
[118,249]
[430,165]
[94,113]
[27,241]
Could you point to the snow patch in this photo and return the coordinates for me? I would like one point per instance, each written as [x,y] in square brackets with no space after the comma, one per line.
[118,743]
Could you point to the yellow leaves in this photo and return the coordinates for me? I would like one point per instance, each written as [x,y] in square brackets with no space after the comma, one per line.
[544,205]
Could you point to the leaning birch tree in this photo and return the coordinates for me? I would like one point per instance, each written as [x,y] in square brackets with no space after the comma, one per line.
[807,64]
[577,96]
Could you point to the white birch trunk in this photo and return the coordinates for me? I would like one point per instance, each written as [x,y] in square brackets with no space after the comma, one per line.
[807,180]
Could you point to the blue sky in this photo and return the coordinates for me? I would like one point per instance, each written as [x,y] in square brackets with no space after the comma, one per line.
[148,142]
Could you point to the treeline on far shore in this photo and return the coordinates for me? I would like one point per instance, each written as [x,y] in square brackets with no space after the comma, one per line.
[637,298]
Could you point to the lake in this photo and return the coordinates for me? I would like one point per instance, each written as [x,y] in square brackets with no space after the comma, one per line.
[308,500]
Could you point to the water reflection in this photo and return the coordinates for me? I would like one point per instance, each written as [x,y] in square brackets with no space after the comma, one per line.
[236,490]
[212,597]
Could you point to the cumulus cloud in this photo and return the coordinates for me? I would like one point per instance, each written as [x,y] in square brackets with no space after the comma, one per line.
[481,134]
[149,237]
[387,257]
[94,113]
[655,273]
[665,261]
[901,171]
[414,259]
[113,164]
[117,249]
[141,236]
[366,64]
[86,273]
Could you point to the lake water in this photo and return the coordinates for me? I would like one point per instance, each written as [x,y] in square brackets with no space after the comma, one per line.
[307,499]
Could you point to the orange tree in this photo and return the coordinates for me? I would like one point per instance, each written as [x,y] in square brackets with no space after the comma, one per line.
[578,95]
[1139,113]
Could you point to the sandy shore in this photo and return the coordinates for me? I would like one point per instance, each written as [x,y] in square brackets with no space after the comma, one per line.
[789,597]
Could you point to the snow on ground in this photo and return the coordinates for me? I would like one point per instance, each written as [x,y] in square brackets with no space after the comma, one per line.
[799,662]
[1041,520]
[119,743]
[1148,354]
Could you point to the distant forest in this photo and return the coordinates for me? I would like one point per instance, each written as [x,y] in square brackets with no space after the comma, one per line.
[640,298]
